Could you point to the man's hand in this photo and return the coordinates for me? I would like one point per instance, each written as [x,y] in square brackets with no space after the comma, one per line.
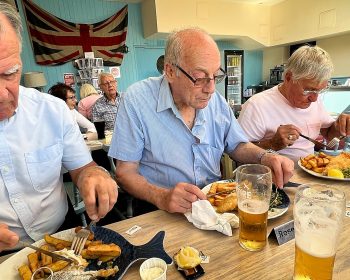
[342,124]
[179,199]
[281,167]
[8,239]
[285,136]
[98,190]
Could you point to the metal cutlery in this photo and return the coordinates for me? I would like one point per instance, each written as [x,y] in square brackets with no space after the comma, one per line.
[223,192]
[48,253]
[335,141]
[318,145]
[80,238]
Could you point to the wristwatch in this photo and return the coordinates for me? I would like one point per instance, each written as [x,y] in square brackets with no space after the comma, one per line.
[263,153]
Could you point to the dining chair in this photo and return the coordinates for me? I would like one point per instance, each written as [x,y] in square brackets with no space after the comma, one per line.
[228,165]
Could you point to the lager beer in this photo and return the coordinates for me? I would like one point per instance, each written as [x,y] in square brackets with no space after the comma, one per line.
[318,220]
[253,197]
[252,224]
[312,266]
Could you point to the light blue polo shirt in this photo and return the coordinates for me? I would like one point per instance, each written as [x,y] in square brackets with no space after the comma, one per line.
[35,143]
[150,130]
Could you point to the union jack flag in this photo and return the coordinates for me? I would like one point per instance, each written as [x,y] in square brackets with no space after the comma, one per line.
[56,41]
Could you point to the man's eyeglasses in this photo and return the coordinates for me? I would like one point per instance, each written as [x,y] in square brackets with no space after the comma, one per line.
[311,91]
[307,92]
[71,97]
[201,82]
[108,83]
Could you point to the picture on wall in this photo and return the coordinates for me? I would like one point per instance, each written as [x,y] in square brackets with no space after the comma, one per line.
[68,79]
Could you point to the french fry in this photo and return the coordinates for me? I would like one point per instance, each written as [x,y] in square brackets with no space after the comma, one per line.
[54,241]
[45,259]
[25,272]
[105,258]
[228,204]
[33,261]
[58,265]
[112,250]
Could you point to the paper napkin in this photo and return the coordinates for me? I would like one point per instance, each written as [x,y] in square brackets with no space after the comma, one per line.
[203,216]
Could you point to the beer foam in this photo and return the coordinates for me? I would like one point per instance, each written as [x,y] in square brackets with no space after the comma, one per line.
[253,206]
[314,244]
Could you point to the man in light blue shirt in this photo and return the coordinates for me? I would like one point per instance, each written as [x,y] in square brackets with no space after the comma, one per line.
[37,137]
[171,131]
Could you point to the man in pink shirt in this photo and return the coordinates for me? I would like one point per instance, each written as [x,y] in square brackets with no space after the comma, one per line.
[275,118]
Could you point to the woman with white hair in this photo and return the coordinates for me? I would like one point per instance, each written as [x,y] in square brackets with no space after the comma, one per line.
[88,97]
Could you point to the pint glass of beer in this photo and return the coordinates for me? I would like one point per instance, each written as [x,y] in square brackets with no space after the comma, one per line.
[318,221]
[253,195]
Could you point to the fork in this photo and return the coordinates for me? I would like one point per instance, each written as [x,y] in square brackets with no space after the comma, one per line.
[80,238]
[335,141]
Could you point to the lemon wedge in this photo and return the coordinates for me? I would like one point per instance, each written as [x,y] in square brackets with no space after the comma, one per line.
[187,257]
[336,173]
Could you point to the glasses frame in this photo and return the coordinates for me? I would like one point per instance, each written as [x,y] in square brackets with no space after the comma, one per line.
[108,83]
[200,82]
[307,92]
[71,98]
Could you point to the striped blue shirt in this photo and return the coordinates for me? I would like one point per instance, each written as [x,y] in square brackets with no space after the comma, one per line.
[150,130]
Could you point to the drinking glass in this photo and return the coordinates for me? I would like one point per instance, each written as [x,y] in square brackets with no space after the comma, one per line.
[253,195]
[318,220]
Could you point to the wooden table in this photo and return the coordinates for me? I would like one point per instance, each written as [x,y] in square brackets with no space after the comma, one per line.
[227,259]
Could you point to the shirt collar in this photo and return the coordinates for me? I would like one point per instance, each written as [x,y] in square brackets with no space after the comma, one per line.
[165,100]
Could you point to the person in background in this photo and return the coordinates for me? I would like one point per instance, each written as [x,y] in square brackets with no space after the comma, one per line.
[67,94]
[171,131]
[105,108]
[275,118]
[38,137]
[88,97]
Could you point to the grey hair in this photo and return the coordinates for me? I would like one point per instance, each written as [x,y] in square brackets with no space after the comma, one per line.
[310,62]
[175,44]
[14,18]
[87,90]
[102,75]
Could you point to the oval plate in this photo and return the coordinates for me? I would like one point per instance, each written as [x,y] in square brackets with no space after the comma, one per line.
[130,253]
[274,212]
[320,175]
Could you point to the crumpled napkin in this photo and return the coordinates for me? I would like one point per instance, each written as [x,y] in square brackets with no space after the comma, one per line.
[203,216]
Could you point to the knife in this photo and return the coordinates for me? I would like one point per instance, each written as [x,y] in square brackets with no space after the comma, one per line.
[292,185]
[318,145]
[51,254]
[226,192]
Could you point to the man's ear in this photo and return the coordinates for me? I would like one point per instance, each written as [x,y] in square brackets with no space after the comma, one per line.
[169,72]
[288,76]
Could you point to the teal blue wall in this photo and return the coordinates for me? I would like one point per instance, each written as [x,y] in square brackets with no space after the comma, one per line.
[135,65]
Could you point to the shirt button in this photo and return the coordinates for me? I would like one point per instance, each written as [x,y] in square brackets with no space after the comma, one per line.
[5,169]
[15,200]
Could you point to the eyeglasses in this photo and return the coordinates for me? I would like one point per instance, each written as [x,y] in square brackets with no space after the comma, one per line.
[201,82]
[310,91]
[108,83]
[71,97]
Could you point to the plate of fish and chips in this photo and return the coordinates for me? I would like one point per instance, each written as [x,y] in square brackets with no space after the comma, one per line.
[328,167]
[222,196]
[97,266]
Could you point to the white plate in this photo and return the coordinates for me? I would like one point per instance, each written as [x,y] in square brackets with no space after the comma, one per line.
[9,267]
[273,212]
[321,175]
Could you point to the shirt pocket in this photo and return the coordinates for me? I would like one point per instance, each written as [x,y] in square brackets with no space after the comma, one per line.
[44,166]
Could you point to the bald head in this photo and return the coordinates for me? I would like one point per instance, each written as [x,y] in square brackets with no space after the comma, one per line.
[185,43]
